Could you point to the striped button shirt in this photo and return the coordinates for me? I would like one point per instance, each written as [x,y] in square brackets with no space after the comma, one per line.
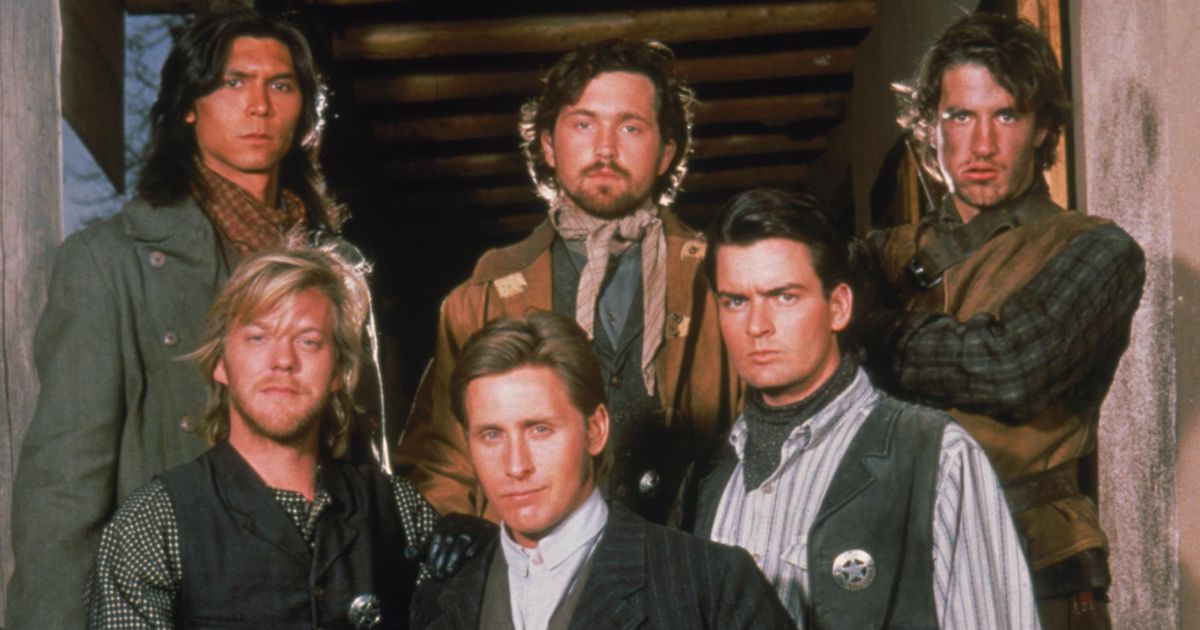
[981,577]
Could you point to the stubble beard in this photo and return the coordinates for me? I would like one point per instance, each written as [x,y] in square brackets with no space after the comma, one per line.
[290,430]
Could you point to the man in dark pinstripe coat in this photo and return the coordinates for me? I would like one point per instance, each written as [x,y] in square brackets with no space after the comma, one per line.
[531,397]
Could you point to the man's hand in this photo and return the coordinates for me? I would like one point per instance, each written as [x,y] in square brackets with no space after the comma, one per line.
[455,539]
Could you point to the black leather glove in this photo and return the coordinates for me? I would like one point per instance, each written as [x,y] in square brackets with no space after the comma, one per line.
[455,539]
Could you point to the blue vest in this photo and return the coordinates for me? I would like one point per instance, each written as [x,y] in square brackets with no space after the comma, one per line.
[649,451]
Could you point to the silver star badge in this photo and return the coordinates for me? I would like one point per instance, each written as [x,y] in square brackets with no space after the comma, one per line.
[854,570]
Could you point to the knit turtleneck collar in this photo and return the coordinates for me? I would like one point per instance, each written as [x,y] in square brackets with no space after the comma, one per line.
[767,427]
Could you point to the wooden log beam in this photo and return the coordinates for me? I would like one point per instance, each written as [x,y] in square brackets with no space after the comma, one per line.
[429,87]
[753,144]
[346,3]
[732,179]
[144,7]
[93,71]
[512,163]
[557,33]
[768,109]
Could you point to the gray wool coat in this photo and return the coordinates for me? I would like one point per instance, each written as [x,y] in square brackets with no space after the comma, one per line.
[127,298]
[117,406]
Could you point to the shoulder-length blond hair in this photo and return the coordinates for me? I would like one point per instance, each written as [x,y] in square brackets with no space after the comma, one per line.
[261,283]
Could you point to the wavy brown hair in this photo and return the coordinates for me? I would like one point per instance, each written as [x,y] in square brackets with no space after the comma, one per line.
[272,278]
[1019,58]
[569,77]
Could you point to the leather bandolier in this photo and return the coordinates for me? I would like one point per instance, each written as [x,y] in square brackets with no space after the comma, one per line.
[1036,458]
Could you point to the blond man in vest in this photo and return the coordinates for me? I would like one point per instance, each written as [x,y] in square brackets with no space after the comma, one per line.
[1015,312]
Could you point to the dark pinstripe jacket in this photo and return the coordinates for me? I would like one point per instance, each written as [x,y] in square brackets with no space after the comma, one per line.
[642,576]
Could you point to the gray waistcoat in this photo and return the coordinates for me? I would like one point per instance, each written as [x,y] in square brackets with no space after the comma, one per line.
[496,612]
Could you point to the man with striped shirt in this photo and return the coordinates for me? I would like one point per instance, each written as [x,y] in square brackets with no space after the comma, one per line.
[861,510]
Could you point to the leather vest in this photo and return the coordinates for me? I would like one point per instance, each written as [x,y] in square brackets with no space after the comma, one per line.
[246,565]
[1061,433]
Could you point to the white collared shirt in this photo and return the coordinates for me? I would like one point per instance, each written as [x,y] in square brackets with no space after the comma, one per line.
[981,577]
[540,577]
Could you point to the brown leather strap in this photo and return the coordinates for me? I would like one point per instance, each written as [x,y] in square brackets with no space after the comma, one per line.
[1042,488]
[945,250]
[1084,571]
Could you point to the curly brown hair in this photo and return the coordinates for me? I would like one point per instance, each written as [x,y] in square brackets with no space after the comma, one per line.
[565,83]
[1018,57]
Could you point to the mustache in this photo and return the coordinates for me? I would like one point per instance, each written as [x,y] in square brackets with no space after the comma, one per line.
[601,165]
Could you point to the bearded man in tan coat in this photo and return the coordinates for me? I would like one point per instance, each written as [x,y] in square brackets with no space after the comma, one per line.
[606,143]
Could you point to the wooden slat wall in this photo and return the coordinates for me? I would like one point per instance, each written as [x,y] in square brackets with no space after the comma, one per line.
[439,99]
[93,79]
[552,33]
[30,222]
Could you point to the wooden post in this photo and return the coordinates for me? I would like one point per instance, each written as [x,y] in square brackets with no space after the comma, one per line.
[1045,15]
[30,221]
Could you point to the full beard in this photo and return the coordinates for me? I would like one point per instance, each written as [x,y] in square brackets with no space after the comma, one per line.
[600,201]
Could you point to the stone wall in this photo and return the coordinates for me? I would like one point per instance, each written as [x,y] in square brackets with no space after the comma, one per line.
[1138,130]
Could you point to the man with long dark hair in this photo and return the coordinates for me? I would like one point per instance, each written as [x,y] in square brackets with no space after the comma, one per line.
[606,144]
[231,167]
[1015,312]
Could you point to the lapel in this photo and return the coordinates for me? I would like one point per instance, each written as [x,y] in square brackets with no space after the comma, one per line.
[685,253]
[519,275]
[865,461]
[335,531]
[522,279]
[180,290]
[252,505]
[618,572]
[712,486]
[461,597]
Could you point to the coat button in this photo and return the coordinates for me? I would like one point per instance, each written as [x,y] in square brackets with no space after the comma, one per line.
[366,611]
[186,424]
[170,338]
[318,592]
[157,259]
[615,381]
[648,484]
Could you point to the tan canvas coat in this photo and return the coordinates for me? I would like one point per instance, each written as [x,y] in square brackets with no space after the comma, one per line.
[695,382]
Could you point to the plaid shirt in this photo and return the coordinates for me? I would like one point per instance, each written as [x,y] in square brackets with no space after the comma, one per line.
[1058,338]
[138,571]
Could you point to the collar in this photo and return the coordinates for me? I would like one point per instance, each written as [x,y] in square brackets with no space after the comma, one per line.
[682,242]
[578,531]
[812,433]
[575,223]
[947,218]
